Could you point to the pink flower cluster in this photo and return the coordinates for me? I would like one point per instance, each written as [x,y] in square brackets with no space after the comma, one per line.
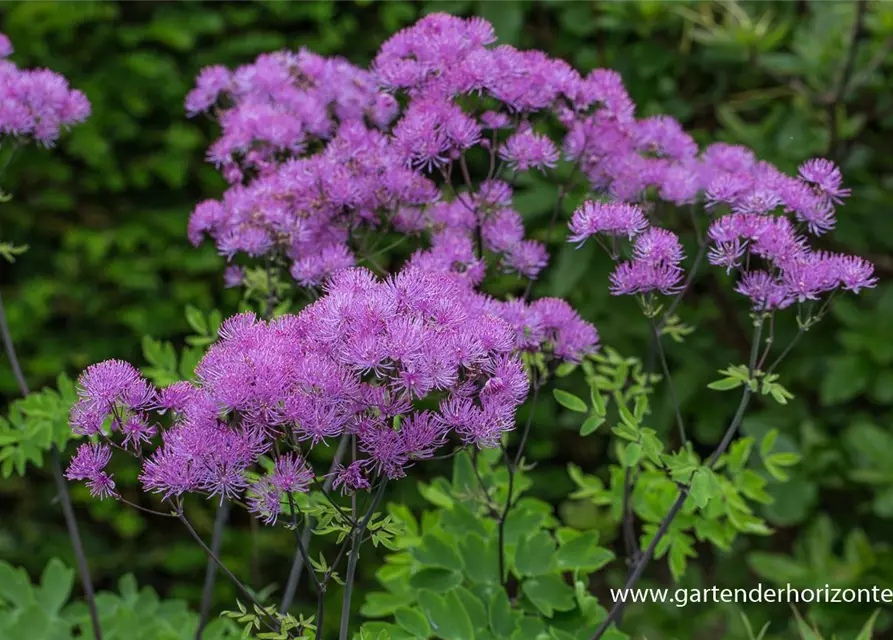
[36,103]
[362,360]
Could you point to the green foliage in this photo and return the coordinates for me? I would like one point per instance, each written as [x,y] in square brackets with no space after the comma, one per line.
[43,611]
[105,213]
[34,425]
[257,622]
[443,580]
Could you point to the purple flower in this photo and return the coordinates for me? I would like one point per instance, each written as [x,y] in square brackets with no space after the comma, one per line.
[351,478]
[636,276]
[527,258]
[656,246]
[5,46]
[765,291]
[37,103]
[233,276]
[291,474]
[89,464]
[137,430]
[529,150]
[854,273]
[610,218]
[211,82]
[105,383]
[825,178]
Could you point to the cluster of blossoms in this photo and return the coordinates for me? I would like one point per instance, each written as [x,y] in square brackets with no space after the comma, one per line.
[461,96]
[657,253]
[763,236]
[307,208]
[761,217]
[282,103]
[362,360]
[36,103]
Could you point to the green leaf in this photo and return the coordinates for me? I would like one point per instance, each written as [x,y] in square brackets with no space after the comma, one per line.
[845,377]
[703,487]
[474,606]
[569,401]
[582,552]
[549,594]
[55,586]
[449,619]
[15,586]
[480,559]
[632,454]
[435,579]
[413,621]
[463,473]
[806,632]
[598,400]
[768,442]
[534,556]
[725,384]
[502,620]
[379,604]
[434,552]
[435,495]
[196,320]
[626,416]
[591,424]
[867,632]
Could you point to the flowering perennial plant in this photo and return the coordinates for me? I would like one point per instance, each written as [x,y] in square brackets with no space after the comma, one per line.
[323,159]
[359,361]
[36,103]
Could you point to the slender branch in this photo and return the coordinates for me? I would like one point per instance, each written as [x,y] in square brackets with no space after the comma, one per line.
[562,192]
[144,509]
[512,467]
[666,369]
[356,537]
[298,563]
[211,567]
[846,70]
[302,551]
[11,352]
[684,489]
[784,353]
[321,487]
[61,485]
[267,618]
[877,60]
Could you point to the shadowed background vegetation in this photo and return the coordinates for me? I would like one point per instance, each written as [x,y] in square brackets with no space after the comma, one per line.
[105,217]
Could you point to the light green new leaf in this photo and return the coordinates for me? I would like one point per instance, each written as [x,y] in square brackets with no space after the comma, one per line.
[569,401]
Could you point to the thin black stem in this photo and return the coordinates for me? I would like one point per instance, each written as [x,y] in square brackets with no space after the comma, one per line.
[562,192]
[356,537]
[843,79]
[666,369]
[769,340]
[321,487]
[61,485]
[785,353]
[512,467]
[11,352]
[267,618]
[298,563]
[684,489]
[211,568]
[144,509]
[302,551]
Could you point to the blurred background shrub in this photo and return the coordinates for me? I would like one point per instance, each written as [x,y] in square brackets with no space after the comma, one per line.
[105,217]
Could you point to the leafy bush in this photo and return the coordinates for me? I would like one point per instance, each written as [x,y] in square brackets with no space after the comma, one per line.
[43,611]
[763,74]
